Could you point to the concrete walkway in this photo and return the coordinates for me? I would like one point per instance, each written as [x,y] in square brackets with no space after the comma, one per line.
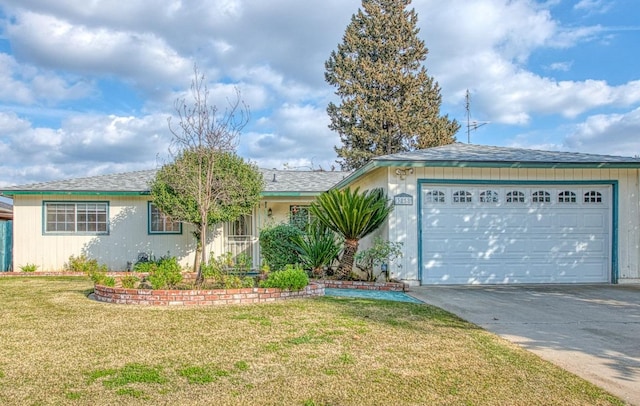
[590,330]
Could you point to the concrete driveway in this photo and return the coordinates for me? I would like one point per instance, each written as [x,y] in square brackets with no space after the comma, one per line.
[590,330]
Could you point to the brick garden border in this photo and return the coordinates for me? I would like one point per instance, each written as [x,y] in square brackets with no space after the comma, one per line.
[338,284]
[205,297]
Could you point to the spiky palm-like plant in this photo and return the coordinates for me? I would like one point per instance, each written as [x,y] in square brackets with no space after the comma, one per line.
[318,247]
[353,215]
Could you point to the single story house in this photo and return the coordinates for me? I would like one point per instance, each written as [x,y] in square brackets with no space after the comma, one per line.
[465,214]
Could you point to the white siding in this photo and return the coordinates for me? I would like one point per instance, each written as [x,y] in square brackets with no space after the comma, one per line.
[128,235]
[403,224]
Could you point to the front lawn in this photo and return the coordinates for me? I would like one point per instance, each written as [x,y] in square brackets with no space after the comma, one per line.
[58,347]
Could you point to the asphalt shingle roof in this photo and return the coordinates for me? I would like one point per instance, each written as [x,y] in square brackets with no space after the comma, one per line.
[458,152]
[275,181]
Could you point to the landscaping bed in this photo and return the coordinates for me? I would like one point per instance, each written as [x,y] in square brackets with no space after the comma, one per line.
[204,297]
[340,284]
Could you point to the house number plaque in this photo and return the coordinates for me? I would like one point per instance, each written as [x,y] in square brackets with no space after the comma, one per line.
[403,199]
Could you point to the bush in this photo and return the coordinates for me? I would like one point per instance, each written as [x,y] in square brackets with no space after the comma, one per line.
[29,268]
[381,252]
[290,278]
[277,246]
[318,248]
[129,281]
[95,271]
[84,265]
[166,273]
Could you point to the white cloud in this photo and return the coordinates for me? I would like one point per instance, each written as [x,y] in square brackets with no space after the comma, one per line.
[614,134]
[561,66]
[274,53]
[140,57]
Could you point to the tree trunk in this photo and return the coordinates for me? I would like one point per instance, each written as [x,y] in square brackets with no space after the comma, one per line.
[348,258]
[196,261]
[203,249]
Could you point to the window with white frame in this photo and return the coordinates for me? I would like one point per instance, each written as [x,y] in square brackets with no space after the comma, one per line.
[593,197]
[541,196]
[462,196]
[434,196]
[515,196]
[160,223]
[566,196]
[76,217]
[489,196]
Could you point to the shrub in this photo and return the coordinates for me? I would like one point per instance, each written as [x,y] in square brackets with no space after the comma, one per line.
[84,265]
[381,252]
[318,247]
[277,247]
[29,268]
[129,281]
[95,271]
[145,267]
[166,274]
[292,277]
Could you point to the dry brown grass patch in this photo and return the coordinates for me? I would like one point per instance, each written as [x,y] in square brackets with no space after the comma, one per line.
[58,347]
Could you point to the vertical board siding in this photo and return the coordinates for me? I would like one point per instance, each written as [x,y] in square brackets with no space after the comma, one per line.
[128,235]
[404,226]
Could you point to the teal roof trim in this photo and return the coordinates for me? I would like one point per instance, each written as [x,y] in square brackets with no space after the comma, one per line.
[70,193]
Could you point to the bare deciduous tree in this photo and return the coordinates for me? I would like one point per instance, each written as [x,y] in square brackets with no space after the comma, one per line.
[207,183]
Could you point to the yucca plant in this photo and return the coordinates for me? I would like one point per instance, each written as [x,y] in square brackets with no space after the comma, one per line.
[318,247]
[353,215]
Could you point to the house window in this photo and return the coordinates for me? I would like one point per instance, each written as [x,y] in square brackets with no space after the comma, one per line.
[160,223]
[566,197]
[434,196]
[76,218]
[515,196]
[462,196]
[593,197]
[541,197]
[489,196]
[300,216]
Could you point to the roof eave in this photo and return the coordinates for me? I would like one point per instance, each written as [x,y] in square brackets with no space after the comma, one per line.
[379,163]
[73,192]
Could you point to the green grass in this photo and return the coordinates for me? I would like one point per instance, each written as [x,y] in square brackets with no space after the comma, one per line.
[58,348]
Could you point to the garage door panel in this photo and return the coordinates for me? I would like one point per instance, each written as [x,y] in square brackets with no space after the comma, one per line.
[553,242]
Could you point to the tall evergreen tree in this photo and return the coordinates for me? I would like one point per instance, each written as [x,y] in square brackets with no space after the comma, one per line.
[389,103]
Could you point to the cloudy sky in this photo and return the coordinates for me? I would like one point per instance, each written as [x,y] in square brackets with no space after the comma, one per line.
[86,86]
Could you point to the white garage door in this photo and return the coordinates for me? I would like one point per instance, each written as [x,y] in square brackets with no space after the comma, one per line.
[474,234]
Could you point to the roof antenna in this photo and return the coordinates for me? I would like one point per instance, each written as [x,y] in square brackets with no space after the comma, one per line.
[471,125]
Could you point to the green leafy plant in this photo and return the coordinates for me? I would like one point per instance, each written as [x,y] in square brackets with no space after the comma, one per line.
[242,263]
[83,264]
[91,267]
[166,273]
[29,268]
[353,215]
[318,247]
[277,246]
[129,281]
[381,252]
[292,277]
[144,267]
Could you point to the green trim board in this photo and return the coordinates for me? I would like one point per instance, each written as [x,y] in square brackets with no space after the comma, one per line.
[70,193]
[75,202]
[614,208]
